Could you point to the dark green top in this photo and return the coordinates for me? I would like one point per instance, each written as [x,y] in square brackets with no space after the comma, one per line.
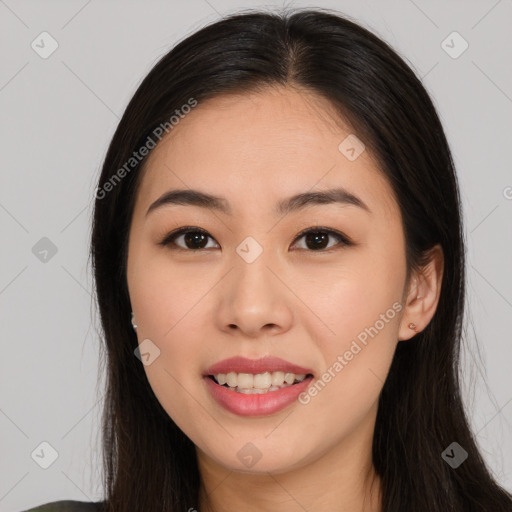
[69,506]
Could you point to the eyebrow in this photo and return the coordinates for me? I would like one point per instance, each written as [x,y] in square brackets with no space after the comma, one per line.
[192,197]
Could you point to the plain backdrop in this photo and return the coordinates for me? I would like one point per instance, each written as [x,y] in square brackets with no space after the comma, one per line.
[58,115]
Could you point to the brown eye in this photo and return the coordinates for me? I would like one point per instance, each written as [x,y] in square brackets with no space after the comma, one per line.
[187,238]
[318,239]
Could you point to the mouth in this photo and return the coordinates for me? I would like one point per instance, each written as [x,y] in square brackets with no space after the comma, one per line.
[261,383]
[256,387]
[257,394]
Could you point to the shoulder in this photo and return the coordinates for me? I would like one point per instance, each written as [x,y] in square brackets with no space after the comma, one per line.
[69,506]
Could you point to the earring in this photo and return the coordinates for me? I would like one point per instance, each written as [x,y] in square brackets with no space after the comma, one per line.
[419,297]
[133,322]
[412,326]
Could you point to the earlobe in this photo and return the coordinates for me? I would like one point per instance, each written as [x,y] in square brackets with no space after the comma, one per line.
[423,295]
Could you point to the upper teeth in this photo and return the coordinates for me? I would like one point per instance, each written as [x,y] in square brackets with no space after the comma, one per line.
[258,381]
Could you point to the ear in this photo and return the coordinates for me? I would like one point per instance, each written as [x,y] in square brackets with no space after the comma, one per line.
[422,295]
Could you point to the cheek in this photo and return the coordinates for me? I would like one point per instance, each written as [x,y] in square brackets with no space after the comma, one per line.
[361,306]
[356,360]
[170,310]
[171,313]
[174,325]
[165,294]
[363,317]
[353,296]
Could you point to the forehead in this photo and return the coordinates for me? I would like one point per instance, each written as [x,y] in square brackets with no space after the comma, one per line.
[262,147]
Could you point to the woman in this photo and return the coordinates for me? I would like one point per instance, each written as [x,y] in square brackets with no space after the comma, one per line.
[279,261]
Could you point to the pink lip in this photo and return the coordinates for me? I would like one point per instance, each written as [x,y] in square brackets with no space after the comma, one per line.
[255,366]
[258,404]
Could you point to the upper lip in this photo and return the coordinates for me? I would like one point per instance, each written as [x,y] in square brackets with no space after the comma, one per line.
[255,366]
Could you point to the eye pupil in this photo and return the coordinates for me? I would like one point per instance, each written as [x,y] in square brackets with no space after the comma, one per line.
[194,237]
[316,237]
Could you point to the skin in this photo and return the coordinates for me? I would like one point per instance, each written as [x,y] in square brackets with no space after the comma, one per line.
[304,305]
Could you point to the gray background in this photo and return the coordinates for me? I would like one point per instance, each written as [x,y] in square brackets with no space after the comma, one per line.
[58,115]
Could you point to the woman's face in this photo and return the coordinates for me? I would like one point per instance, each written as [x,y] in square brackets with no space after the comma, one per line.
[251,287]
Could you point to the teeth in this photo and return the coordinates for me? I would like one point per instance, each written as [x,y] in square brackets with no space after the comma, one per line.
[231,380]
[251,391]
[260,383]
[289,378]
[245,380]
[277,378]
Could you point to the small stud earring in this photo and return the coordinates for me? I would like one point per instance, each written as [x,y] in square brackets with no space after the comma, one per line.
[419,297]
[412,326]
[133,322]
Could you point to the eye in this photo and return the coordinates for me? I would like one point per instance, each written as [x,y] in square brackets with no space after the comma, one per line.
[317,239]
[195,239]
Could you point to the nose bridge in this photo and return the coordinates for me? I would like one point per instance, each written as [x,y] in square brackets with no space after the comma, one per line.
[252,279]
[254,272]
[252,297]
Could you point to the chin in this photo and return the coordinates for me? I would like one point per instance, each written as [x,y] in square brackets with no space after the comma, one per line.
[253,458]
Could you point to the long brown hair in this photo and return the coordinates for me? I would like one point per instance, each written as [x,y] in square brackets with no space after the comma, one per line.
[149,463]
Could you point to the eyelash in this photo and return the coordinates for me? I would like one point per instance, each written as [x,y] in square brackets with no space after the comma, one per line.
[171,237]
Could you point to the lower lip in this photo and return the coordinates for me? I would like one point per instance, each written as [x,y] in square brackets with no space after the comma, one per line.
[257,404]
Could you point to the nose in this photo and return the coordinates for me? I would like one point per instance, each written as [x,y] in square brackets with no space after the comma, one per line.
[253,300]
